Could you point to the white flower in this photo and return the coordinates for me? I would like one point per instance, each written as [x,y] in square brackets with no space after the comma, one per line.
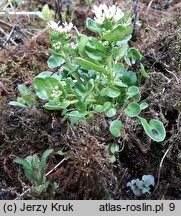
[104,12]
[100,13]
[67,26]
[56,88]
[57,45]
[118,15]
[59,28]
[63,83]
[73,45]
[110,12]
[106,43]
[56,93]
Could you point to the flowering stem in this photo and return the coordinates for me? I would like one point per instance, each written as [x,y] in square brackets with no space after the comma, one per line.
[109,69]
[74,73]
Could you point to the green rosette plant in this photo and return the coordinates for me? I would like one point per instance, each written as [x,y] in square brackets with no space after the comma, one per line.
[94,72]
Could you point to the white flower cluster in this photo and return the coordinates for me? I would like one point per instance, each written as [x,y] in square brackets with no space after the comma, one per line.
[73,45]
[103,12]
[57,45]
[56,93]
[65,28]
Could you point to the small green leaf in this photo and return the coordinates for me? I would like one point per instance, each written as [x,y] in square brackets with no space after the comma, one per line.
[132,91]
[107,25]
[46,13]
[102,108]
[115,128]
[129,78]
[45,86]
[92,25]
[96,45]
[51,105]
[110,112]
[124,41]
[118,68]
[106,106]
[24,90]
[120,52]
[113,148]
[69,84]
[27,166]
[132,110]
[24,163]
[113,159]
[76,114]
[90,85]
[21,104]
[113,92]
[55,61]
[44,158]
[144,73]
[98,108]
[81,42]
[93,56]
[80,89]
[104,92]
[119,83]
[136,98]
[118,33]
[143,105]
[87,65]
[134,54]
[81,106]
[155,129]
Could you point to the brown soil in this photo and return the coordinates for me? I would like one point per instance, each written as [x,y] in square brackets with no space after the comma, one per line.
[88,173]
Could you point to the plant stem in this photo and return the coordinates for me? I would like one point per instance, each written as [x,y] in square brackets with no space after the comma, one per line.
[109,69]
[74,73]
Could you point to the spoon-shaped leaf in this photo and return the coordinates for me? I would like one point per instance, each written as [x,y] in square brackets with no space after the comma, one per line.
[113,92]
[44,86]
[115,128]
[143,105]
[132,110]
[92,25]
[98,108]
[44,158]
[155,129]
[102,108]
[118,33]
[110,112]
[55,61]
[132,91]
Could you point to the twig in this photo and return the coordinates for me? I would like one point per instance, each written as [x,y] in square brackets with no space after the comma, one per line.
[178,122]
[78,33]
[56,167]
[56,70]
[67,7]
[23,13]
[177,79]
[4,89]
[22,32]
[122,177]
[9,37]
[136,12]
[12,41]
[7,24]
[149,5]
[10,4]
[159,171]
[58,10]
[26,191]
